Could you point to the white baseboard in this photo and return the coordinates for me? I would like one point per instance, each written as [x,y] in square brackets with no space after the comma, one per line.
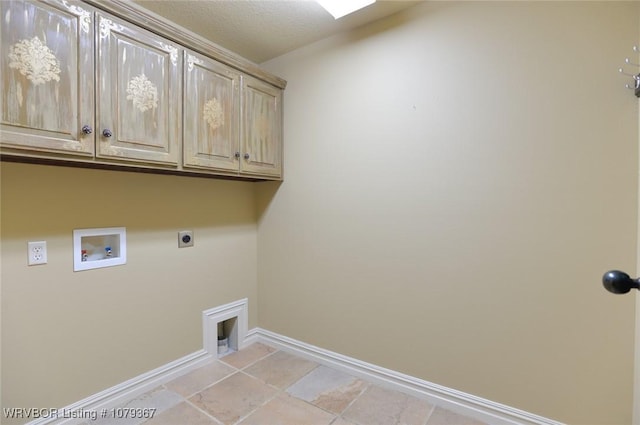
[450,399]
[457,401]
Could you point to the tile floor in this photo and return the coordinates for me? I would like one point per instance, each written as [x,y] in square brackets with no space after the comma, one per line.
[260,385]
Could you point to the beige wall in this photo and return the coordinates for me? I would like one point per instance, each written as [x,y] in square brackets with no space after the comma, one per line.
[68,335]
[458,179]
[636,407]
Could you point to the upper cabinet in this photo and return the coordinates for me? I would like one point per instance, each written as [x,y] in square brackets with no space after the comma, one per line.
[211,114]
[138,97]
[261,128]
[47,62]
[232,122]
[104,83]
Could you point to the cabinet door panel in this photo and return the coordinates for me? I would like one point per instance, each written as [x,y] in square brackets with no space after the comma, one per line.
[138,95]
[261,128]
[211,114]
[47,76]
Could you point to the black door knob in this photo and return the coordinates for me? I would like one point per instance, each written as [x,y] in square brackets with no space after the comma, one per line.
[619,282]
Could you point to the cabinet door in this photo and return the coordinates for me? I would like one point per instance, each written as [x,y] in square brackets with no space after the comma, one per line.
[138,94]
[211,114]
[261,128]
[46,76]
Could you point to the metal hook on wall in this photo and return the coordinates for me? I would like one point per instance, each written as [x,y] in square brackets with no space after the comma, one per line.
[628,62]
[636,77]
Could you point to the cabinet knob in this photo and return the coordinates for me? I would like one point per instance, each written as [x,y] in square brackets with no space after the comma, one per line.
[246,156]
[86,129]
[107,133]
[237,155]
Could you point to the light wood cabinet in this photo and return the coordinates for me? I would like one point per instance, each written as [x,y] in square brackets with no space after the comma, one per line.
[211,114]
[232,122]
[84,83]
[47,77]
[261,133]
[138,97]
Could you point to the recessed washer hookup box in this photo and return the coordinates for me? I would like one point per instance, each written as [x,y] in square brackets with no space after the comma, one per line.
[99,247]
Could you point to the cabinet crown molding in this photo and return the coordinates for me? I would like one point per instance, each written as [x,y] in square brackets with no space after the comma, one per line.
[138,15]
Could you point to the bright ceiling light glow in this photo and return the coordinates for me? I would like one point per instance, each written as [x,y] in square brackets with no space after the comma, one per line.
[340,8]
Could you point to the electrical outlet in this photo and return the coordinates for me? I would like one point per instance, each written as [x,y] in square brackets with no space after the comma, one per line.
[185,238]
[37,253]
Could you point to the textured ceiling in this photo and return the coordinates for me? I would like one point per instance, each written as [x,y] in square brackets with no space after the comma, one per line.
[264,29]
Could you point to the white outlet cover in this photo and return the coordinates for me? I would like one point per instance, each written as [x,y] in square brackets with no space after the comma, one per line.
[37,253]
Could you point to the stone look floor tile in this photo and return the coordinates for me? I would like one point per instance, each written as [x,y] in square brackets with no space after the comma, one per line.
[183,413]
[220,394]
[286,410]
[441,416]
[341,421]
[159,399]
[281,369]
[200,378]
[328,389]
[247,355]
[379,406]
[233,398]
